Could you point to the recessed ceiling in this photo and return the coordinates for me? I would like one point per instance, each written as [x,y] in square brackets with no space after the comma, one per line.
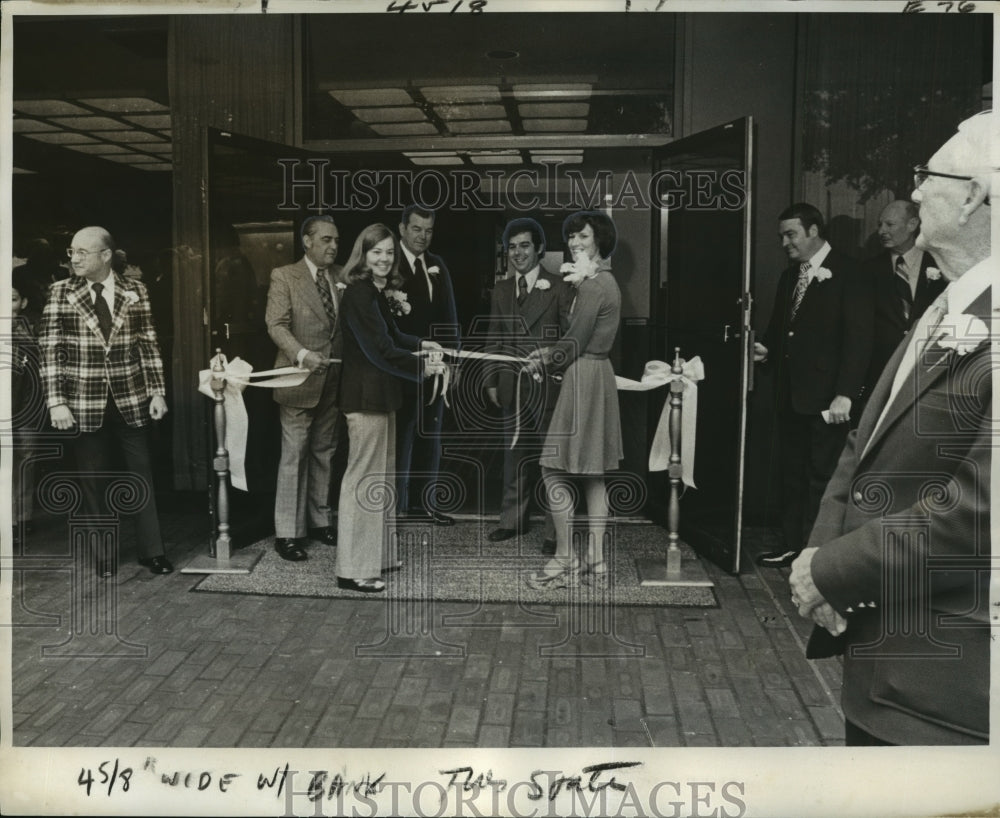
[563,75]
[105,95]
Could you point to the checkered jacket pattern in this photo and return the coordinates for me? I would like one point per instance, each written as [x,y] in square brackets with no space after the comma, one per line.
[79,367]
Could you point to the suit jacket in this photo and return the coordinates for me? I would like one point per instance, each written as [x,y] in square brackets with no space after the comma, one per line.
[79,367]
[890,322]
[916,666]
[296,319]
[825,351]
[427,311]
[541,320]
[377,356]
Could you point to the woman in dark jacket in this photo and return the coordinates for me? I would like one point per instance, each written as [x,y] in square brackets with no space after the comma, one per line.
[376,356]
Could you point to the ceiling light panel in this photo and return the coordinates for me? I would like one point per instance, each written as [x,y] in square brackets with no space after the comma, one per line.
[61,138]
[89,123]
[100,149]
[555,125]
[150,120]
[125,105]
[553,110]
[580,90]
[437,160]
[370,97]
[48,107]
[470,111]
[22,125]
[445,94]
[404,128]
[410,113]
[495,159]
[131,136]
[564,159]
[480,126]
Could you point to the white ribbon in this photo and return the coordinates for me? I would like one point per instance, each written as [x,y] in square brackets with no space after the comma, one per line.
[237,375]
[656,374]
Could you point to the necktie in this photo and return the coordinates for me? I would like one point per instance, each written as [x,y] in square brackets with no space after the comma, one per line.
[103,313]
[522,289]
[323,285]
[902,283]
[800,287]
[418,269]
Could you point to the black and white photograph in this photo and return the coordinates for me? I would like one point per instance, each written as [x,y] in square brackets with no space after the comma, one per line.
[481,407]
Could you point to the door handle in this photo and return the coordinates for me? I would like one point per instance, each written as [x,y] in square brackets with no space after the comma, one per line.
[726,336]
[226,327]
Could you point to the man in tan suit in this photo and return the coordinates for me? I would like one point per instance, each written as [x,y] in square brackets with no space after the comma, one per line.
[302,311]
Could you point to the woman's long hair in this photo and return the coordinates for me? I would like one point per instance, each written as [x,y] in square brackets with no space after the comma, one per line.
[357,268]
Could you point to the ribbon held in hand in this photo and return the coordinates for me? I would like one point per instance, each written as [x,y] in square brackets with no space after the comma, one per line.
[237,375]
[656,374]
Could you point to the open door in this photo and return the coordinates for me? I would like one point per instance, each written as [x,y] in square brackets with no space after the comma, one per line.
[248,235]
[701,297]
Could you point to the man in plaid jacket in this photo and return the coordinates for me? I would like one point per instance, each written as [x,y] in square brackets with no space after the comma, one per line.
[103,375]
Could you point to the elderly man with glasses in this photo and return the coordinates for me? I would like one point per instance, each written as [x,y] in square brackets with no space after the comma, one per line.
[103,378]
[896,572]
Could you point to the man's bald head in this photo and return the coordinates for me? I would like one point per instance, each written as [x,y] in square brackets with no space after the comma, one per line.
[898,225]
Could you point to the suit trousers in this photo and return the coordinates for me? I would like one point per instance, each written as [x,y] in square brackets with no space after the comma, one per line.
[308,443]
[95,453]
[418,449]
[521,472]
[810,449]
[366,506]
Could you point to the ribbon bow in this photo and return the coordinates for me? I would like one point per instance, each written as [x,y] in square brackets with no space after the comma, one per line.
[659,373]
[236,376]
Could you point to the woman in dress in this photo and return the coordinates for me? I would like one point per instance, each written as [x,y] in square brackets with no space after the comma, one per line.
[584,438]
[376,357]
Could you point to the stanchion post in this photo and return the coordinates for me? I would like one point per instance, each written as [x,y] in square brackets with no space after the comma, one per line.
[674,469]
[220,559]
[672,571]
[220,462]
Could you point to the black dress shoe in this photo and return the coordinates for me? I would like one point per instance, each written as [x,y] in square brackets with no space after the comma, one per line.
[365,586]
[501,534]
[777,559]
[288,548]
[326,535]
[549,548]
[157,565]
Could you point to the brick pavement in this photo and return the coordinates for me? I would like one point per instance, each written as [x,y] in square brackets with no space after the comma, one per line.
[214,670]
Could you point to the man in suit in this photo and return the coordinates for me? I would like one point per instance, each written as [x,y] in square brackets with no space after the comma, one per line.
[528,309]
[301,317]
[896,573]
[902,285]
[818,342]
[432,315]
[103,376]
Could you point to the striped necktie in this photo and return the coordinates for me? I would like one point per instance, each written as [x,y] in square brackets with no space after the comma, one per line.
[323,285]
[800,288]
[902,283]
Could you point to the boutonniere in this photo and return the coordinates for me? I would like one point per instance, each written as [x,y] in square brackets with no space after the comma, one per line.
[542,284]
[130,296]
[399,303]
[822,274]
[961,332]
[933,274]
[577,271]
[433,271]
[340,285]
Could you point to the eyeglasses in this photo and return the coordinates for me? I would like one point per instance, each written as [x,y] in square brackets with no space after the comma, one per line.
[920,174]
[74,252]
